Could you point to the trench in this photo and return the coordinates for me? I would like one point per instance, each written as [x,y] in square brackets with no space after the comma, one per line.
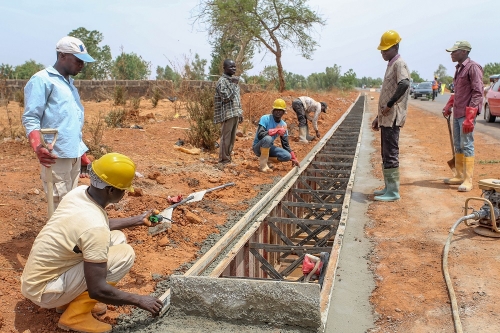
[252,275]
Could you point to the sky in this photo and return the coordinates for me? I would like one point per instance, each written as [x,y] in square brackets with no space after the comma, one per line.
[162,32]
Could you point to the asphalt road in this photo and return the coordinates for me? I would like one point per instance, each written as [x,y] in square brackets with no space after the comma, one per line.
[437,106]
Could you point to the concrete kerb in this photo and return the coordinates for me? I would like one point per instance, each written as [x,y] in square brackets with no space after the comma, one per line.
[247,301]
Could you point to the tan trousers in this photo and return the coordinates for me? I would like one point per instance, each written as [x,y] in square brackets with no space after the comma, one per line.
[72,283]
[65,174]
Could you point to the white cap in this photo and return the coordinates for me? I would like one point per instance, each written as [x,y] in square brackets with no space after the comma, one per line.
[73,46]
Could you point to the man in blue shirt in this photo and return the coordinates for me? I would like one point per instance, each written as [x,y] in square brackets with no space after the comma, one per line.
[270,127]
[52,101]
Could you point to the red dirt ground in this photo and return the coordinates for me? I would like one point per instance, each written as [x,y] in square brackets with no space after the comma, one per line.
[166,171]
[408,235]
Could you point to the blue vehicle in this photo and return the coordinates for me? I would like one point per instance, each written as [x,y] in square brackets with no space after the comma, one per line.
[424,89]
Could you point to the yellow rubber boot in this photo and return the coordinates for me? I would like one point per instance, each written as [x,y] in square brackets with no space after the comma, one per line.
[264,156]
[466,186]
[78,316]
[98,309]
[459,166]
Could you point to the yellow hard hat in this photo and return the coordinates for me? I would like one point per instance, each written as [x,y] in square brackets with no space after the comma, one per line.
[279,104]
[389,38]
[115,170]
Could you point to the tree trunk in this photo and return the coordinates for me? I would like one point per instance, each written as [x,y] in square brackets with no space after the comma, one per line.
[281,77]
[240,57]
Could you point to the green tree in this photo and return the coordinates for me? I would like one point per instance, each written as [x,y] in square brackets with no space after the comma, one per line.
[415,76]
[348,80]
[167,73]
[6,71]
[101,68]
[26,70]
[229,45]
[489,69]
[440,72]
[273,24]
[369,82]
[195,69]
[130,66]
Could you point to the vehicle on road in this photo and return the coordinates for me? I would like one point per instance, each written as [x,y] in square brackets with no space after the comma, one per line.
[493,80]
[492,103]
[412,87]
[424,89]
[451,87]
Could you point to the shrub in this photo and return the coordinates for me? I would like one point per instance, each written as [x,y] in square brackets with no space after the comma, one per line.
[96,129]
[19,97]
[135,103]
[156,96]
[203,133]
[120,95]
[115,118]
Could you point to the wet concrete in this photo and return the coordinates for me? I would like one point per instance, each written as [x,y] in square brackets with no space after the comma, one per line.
[350,308]
[247,301]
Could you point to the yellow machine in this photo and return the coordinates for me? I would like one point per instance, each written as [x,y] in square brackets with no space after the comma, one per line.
[488,221]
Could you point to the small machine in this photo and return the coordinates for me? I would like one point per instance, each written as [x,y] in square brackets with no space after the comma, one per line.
[488,221]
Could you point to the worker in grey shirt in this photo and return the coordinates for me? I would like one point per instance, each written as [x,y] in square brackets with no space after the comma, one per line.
[304,107]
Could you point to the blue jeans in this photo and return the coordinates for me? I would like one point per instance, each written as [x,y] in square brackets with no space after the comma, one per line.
[463,143]
[267,142]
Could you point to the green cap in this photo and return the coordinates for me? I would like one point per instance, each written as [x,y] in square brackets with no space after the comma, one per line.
[460,45]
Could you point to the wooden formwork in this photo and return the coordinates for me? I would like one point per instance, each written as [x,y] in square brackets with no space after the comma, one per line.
[306,212]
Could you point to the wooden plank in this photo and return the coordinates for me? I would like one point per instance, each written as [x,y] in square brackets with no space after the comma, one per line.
[265,265]
[288,220]
[280,233]
[311,205]
[273,198]
[284,248]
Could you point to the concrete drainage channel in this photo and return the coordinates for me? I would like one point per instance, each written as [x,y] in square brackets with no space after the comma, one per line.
[253,274]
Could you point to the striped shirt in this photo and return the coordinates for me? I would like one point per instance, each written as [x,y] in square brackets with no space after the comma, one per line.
[227,100]
[468,83]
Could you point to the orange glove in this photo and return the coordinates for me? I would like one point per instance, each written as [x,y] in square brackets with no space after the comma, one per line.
[43,154]
[273,131]
[84,163]
[449,105]
[470,116]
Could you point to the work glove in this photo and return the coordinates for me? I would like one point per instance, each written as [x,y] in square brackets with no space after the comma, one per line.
[43,154]
[448,106]
[273,131]
[295,162]
[84,166]
[470,116]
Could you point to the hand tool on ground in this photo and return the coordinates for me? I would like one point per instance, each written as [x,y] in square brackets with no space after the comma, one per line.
[167,212]
[48,171]
[451,163]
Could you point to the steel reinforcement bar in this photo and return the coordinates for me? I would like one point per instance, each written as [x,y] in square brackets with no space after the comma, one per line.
[260,279]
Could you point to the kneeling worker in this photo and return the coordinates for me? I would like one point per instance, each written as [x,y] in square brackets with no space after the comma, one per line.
[270,127]
[303,107]
[79,256]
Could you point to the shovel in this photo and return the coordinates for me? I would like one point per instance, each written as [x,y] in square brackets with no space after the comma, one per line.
[193,197]
[167,212]
[48,171]
[451,163]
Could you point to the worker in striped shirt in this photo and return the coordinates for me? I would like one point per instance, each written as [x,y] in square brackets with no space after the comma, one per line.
[228,110]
